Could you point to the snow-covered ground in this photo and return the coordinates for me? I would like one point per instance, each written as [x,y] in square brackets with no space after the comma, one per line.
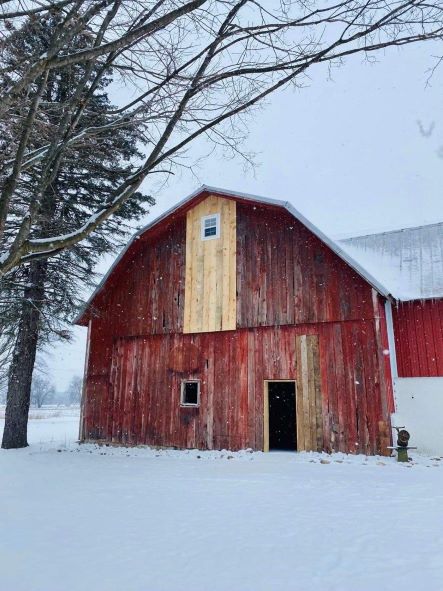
[86,517]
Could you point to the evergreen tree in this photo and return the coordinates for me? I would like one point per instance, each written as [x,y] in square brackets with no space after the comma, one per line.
[40,297]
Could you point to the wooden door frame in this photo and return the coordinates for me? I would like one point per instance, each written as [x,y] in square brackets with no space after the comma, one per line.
[266,409]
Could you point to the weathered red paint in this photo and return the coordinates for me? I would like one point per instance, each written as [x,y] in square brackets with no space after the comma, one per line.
[418,330]
[286,275]
[139,401]
[289,283]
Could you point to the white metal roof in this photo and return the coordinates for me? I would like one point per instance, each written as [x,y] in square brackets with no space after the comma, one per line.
[341,251]
[409,261]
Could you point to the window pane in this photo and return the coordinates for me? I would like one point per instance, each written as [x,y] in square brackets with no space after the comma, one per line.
[210,231]
[190,393]
[210,226]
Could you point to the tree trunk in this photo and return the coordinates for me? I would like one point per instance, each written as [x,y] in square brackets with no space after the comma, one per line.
[15,433]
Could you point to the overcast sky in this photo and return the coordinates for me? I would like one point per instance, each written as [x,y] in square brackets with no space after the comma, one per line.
[347,152]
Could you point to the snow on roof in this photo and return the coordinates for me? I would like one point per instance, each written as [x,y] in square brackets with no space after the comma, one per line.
[408,262]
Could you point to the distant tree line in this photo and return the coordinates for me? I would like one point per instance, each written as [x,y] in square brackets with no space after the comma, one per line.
[43,392]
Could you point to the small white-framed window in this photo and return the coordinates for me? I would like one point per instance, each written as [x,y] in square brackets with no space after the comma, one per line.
[190,393]
[210,226]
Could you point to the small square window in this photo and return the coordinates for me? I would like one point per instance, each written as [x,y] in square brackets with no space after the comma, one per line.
[210,226]
[190,393]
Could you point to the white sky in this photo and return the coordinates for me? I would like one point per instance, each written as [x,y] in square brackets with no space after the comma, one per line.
[346,152]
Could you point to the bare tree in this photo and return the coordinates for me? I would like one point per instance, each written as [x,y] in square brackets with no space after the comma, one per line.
[74,390]
[42,391]
[193,68]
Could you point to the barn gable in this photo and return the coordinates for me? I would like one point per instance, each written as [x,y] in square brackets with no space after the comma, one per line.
[214,309]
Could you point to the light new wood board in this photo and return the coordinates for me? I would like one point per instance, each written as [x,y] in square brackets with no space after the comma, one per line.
[210,282]
[308,400]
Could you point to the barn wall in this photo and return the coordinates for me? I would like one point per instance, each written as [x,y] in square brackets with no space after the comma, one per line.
[286,275]
[148,295]
[419,407]
[288,285]
[418,330]
[138,403]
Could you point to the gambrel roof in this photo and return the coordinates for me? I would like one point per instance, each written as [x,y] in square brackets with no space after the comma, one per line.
[409,262]
[205,190]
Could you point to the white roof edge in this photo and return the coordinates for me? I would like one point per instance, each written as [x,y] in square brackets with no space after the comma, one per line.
[391,231]
[405,299]
[248,197]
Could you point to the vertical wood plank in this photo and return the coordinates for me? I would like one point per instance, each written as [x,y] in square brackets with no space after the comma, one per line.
[317,393]
[309,407]
[299,398]
[210,283]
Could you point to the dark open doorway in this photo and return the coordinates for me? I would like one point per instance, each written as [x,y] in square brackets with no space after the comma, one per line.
[282,416]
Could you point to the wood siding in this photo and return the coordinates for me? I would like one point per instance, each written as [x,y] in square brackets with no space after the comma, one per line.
[418,331]
[210,283]
[286,275]
[298,313]
[140,402]
[148,294]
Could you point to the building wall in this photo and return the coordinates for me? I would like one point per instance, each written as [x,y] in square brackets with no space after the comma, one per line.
[419,408]
[140,401]
[286,275]
[418,330]
[288,284]
[147,295]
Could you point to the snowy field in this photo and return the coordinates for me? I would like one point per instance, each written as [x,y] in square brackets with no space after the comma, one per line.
[78,518]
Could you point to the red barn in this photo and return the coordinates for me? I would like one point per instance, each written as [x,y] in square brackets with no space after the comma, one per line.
[409,262]
[232,322]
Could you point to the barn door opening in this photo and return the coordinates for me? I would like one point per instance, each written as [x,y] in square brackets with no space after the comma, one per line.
[280,416]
